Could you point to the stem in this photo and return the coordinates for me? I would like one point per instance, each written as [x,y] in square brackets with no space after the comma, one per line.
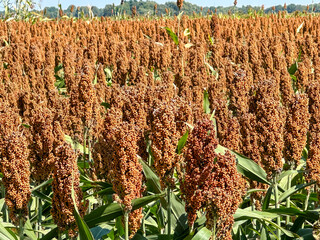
[306,201]
[4,208]
[143,227]
[126,225]
[253,208]
[277,205]
[288,199]
[214,228]
[20,227]
[38,223]
[169,210]
[59,235]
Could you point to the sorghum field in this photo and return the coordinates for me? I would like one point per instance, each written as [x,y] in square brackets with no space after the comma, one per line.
[160,128]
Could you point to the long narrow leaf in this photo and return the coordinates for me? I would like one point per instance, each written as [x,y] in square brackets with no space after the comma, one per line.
[247,167]
[293,190]
[203,234]
[173,36]
[266,200]
[114,210]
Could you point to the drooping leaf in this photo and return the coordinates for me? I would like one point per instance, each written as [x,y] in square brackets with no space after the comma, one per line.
[29,231]
[310,215]
[5,234]
[203,234]
[243,214]
[246,166]
[173,36]
[49,181]
[293,190]
[84,231]
[182,142]
[267,197]
[41,196]
[114,210]
[300,26]
[180,15]
[153,181]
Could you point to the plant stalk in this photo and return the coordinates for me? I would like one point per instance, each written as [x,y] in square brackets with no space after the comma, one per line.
[39,217]
[20,227]
[288,199]
[143,226]
[306,201]
[214,228]
[126,225]
[277,205]
[169,210]
[4,208]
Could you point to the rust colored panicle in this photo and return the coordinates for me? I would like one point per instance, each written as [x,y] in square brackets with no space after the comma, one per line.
[270,126]
[133,11]
[313,161]
[65,177]
[102,150]
[126,171]
[297,126]
[15,168]
[179,4]
[211,180]
[42,156]
[14,164]
[164,138]
[199,157]
[239,93]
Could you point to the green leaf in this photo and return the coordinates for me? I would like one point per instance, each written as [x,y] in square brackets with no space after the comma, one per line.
[182,142]
[180,15]
[173,36]
[293,68]
[99,231]
[203,234]
[153,181]
[293,190]
[267,217]
[206,103]
[106,105]
[300,26]
[310,215]
[41,196]
[246,166]
[74,145]
[108,73]
[49,181]
[29,231]
[114,210]
[5,234]
[84,231]
[243,214]
[51,235]
[286,232]
[289,172]
[266,200]
[186,32]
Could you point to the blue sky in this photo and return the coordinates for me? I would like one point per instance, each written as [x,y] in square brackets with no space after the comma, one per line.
[99,3]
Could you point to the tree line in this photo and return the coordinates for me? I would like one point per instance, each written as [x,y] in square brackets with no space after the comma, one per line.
[151,8]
